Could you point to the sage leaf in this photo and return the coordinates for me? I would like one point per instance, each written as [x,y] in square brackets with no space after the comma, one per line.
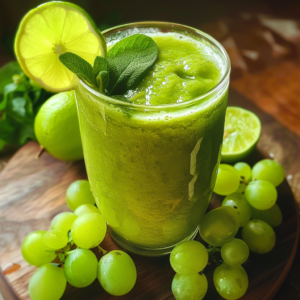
[102,80]
[79,66]
[101,73]
[129,62]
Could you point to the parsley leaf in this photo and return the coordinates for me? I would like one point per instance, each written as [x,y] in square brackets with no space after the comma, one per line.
[20,100]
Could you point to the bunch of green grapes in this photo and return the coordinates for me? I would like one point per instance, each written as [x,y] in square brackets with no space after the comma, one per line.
[63,254]
[187,260]
[218,228]
[250,203]
[255,200]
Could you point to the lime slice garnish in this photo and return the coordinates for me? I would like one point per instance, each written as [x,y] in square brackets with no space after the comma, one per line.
[241,133]
[49,30]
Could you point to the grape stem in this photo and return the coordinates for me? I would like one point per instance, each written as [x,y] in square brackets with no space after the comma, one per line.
[69,252]
[102,250]
[243,180]
[67,248]
[214,255]
[42,150]
[213,249]
[59,265]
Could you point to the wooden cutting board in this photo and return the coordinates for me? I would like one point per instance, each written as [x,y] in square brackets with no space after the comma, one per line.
[33,191]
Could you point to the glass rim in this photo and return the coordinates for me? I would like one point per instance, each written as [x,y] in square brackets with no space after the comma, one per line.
[213,41]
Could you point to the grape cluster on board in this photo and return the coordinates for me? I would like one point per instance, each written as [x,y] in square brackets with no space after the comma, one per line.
[251,195]
[250,203]
[63,253]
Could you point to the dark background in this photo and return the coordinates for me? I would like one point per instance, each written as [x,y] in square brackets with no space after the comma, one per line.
[107,13]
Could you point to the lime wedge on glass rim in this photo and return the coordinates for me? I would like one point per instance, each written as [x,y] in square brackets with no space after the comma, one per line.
[49,30]
[241,134]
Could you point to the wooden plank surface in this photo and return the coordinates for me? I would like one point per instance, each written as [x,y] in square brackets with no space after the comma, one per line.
[33,191]
[276,91]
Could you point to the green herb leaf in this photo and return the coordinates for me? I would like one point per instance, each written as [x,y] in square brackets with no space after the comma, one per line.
[26,133]
[19,104]
[101,73]
[100,64]
[129,62]
[10,90]
[79,66]
[2,143]
[7,131]
[6,74]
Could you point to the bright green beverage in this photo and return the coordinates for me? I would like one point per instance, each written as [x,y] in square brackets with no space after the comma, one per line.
[152,162]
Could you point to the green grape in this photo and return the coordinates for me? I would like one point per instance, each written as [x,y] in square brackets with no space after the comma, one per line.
[268,170]
[81,267]
[189,287]
[244,170]
[78,193]
[231,282]
[189,257]
[55,239]
[219,225]
[34,250]
[47,283]
[228,180]
[117,273]
[86,208]
[88,230]
[239,202]
[261,194]
[63,222]
[259,236]
[272,216]
[235,252]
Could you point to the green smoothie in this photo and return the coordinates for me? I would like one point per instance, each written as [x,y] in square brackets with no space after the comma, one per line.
[184,70]
[152,161]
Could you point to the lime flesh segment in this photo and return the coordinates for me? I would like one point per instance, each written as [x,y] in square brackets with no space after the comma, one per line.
[52,29]
[241,133]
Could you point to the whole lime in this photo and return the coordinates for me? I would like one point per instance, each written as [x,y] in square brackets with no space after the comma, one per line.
[56,127]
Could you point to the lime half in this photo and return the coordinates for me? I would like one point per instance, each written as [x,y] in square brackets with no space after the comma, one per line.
[49,30]
[241,133]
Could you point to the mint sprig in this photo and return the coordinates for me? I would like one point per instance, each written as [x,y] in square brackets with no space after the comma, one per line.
[126,65]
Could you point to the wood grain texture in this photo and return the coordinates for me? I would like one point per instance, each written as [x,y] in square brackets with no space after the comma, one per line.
[33,191]
[276,91]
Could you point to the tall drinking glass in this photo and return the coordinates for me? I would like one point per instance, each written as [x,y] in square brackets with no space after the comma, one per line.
[152,169]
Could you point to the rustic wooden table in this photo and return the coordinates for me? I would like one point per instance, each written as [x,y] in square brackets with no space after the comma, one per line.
[264,52]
